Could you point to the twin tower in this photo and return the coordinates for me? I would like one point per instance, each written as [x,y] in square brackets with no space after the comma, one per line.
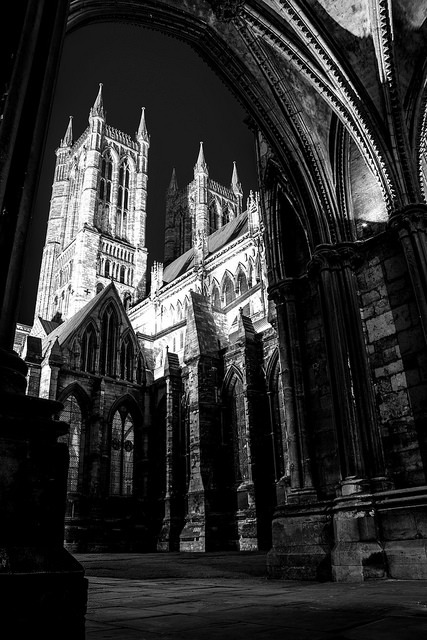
[97,218]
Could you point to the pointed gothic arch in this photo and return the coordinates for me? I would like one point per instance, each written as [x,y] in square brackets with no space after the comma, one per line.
[127,357]
[109,320]
[228,292]
[124,418]
[89,345]
[241,280]
[215,295]
[75,414]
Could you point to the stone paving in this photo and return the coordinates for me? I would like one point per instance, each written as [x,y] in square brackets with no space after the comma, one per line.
[228,596]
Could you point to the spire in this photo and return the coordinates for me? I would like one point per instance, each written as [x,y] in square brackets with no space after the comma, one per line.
[142,129]
[173,184]
[235,182]
[67,141]
[201,163]
[98,107]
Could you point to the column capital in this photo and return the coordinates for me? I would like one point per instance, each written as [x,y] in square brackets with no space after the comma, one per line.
[284,290]
[334,256]
[411,218]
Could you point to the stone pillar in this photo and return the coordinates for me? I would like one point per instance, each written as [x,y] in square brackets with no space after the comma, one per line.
[301,528]
[359,443]
[42,587]
[202,526]
[410,226]
[291,367]
[357,554]
[247,527]
[173,516]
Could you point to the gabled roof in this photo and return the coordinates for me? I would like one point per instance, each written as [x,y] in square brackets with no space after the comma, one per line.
[67,328]
[218,239]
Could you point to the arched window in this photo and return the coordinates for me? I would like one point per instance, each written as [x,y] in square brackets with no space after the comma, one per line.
[121,453]
[107,269]
[122,274]
[235,419]
[108,342]
[72,414]
[123,200]
[179,311]
[88,350]
[228,293]
[126,360]
[242,283]
[105,182]
[216,298]
[212,217]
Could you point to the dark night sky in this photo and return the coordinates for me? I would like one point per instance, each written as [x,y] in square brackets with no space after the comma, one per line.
[185,102]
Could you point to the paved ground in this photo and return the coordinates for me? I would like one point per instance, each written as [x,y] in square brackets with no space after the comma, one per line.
[228,596]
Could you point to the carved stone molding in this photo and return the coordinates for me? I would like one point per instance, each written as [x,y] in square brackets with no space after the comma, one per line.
[412,218]
[332,257]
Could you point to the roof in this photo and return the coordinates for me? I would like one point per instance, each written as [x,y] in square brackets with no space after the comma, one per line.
[218,239]
[48,325]
[64,330]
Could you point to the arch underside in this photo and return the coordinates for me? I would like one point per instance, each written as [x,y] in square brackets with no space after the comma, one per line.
[286,69]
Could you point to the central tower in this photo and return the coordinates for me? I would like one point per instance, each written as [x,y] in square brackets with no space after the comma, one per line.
[97,217]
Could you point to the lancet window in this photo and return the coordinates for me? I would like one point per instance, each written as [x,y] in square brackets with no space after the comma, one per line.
[72,414]
[88,350]
[121,453]
[123,200]
[108,342]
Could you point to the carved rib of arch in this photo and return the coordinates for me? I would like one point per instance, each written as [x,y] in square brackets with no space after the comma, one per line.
[296,36]
[130,403]
[76,390]
[271,369]
[232,374]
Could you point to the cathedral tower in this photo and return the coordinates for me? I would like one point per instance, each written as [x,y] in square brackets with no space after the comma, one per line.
[199,209]
[97,217]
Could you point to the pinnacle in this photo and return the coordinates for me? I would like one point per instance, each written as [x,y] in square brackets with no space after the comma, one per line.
[67,141]
[98,107]
[142,129]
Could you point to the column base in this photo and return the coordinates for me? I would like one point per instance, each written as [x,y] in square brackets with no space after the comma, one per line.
[302,540]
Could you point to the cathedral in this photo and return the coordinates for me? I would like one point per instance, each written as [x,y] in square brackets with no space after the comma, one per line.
[265,387]
[163,392]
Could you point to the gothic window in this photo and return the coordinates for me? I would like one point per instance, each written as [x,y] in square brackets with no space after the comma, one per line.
[235,419]
[108,342]
[123,200]
[121,453]
[242,283]
[228,293]
[126,360]
[212,217]
[72,414]
[88,350]
[122,274]
[179,311]
[107,269]
[105,182]
[216,298]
